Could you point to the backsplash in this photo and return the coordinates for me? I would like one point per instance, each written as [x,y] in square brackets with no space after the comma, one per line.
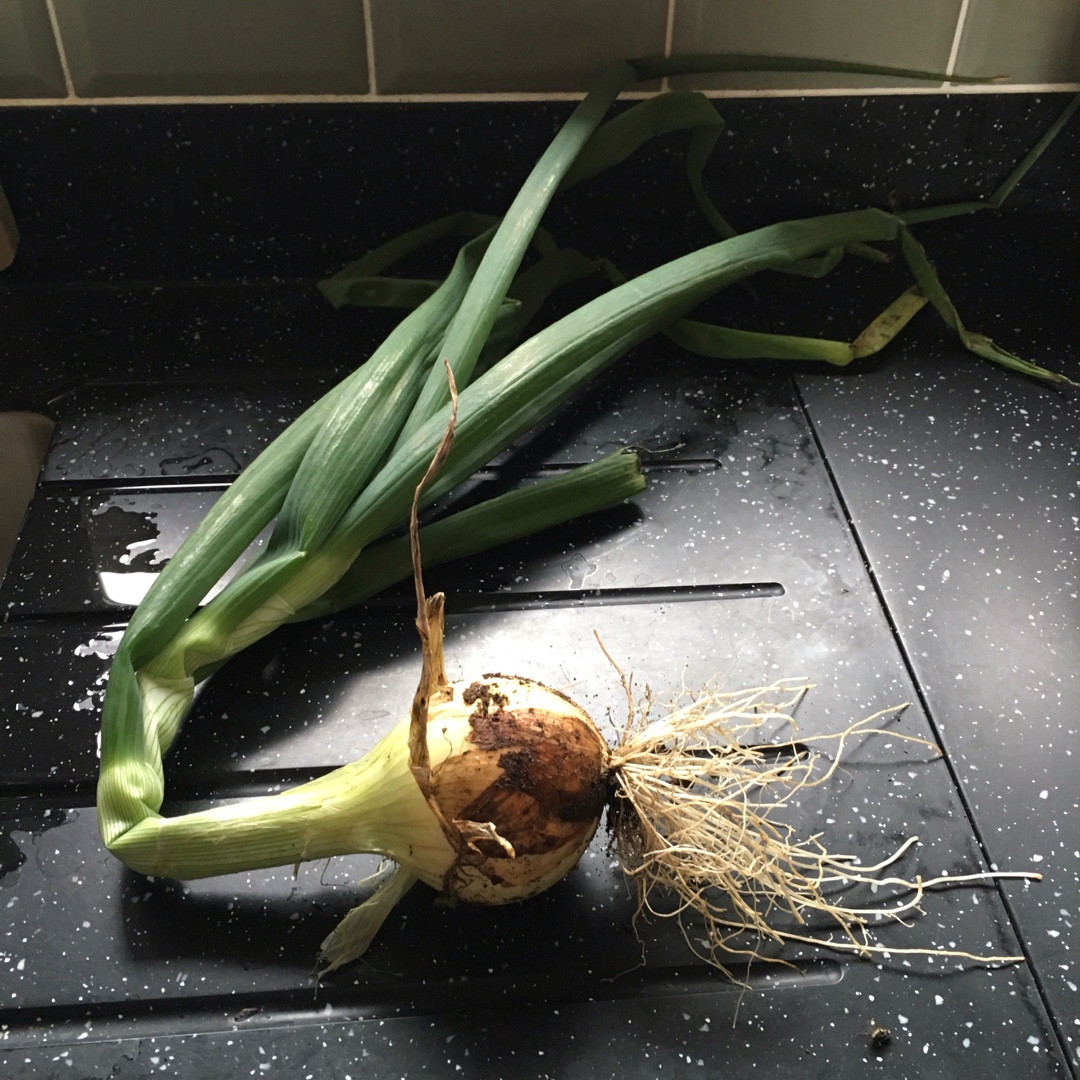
[91,51]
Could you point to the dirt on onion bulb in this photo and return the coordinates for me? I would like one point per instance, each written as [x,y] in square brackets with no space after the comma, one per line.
[515,784]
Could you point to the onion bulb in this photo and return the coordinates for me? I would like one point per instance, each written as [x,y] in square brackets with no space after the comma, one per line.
[522,773]
[518,779]
[514,776]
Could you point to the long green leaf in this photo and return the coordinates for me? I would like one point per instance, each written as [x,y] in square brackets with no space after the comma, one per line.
[511,516]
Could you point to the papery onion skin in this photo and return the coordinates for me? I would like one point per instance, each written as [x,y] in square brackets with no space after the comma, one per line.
[518,756]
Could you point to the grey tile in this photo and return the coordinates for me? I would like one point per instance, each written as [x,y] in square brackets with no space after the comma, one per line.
[118,47]
[1030,41]
[29,65]
[472,46]
[903,33]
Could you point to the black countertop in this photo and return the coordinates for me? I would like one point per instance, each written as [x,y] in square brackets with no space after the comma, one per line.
[906,531]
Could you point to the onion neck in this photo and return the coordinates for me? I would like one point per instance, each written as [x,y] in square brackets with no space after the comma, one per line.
[372,805]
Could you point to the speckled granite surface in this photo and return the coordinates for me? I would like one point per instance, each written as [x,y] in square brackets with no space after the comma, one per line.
[908,530]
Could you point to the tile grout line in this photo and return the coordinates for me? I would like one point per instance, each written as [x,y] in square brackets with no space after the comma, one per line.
[61,52]
[958,33]
[369,47]
[669,36]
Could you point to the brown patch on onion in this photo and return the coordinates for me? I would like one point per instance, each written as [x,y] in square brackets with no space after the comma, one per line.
[527,786]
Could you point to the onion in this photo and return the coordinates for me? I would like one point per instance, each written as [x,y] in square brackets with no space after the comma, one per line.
[491,789]
[528,766]
[517,779]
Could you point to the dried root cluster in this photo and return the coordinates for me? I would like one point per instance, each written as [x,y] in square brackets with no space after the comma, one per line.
[699,828]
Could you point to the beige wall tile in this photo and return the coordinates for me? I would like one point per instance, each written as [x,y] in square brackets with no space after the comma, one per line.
[213,47]
[449,46]
[1030,41]
[29,65]
[201,47]
[904,33]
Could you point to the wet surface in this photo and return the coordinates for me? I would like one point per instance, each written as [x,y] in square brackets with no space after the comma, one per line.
[908,534]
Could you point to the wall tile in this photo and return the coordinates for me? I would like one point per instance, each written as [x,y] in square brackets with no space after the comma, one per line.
[117,47]
[424,46]
[29,65]
[196,47]
[1031,41]
[905,33]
